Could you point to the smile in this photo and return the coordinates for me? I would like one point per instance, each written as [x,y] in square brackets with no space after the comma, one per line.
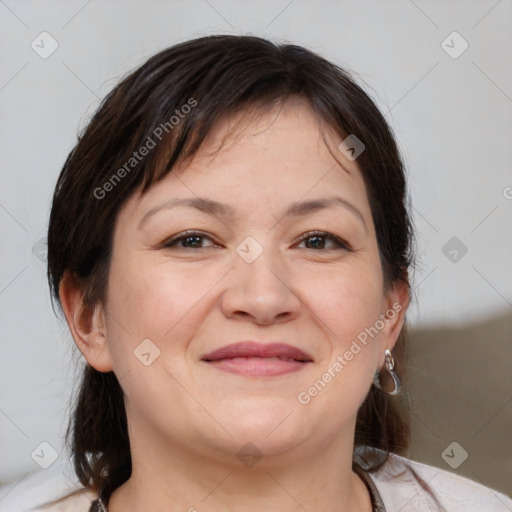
[259,366]
[258,359]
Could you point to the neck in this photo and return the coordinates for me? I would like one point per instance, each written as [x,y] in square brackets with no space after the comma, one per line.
[179,480]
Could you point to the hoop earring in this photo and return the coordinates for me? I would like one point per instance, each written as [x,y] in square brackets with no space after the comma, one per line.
[390,377]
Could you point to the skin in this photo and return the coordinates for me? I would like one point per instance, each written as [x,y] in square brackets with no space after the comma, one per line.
[187,419]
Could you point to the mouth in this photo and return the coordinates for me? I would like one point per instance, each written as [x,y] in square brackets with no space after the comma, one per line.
[258,359]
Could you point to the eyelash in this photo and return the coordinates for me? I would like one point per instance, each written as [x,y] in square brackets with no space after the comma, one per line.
[341,244]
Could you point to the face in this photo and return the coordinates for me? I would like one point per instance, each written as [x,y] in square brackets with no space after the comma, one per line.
[267,240]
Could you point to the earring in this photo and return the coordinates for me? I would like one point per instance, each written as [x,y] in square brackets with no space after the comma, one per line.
[388,381]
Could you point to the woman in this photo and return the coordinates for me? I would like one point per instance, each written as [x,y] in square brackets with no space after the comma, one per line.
[230,245]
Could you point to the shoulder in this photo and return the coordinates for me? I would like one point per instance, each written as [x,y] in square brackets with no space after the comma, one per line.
[407,485]
[55,489]
[78,501]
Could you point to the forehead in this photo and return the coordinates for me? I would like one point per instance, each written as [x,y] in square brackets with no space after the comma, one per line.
[292,121]
[258,152]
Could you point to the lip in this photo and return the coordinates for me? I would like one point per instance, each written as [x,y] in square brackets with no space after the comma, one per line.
[258,359]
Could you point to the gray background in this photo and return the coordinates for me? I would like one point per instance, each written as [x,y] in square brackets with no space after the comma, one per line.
[452,115]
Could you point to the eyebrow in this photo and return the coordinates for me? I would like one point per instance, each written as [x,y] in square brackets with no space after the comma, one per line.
[211,207]
[199,203]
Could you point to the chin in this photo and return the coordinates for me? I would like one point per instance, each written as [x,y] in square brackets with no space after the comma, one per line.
[256,447]
[271,433]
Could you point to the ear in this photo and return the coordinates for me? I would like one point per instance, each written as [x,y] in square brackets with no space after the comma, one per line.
[87,325]
[394,306]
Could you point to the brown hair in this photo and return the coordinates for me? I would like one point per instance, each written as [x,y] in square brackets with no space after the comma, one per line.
[214,76]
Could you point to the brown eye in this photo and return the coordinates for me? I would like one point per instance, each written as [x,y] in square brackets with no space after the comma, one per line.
[320,240]
[189,240]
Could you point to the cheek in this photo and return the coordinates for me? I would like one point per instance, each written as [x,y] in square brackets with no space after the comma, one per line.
[166,304]
[348,306]
[348,301]
[156,300]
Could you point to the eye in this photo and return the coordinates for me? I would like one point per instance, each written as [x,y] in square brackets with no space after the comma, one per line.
[189,240]
[319,240]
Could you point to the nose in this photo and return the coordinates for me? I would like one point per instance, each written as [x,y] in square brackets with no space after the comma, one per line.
[260,292]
